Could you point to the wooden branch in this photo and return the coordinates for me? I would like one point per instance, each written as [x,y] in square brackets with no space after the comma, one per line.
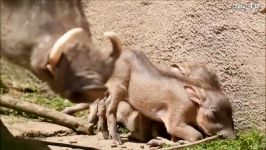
[56,117]
[208,139]
[64,144]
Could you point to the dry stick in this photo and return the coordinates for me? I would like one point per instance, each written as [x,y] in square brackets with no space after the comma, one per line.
[59,118]
[68,145]
[194,143]
[65,145]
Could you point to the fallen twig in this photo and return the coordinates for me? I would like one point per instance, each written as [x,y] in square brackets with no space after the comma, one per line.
[59,118]
[193,143]
[67,145]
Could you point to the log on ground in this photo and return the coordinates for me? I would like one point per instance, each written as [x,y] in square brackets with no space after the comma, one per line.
[56,117]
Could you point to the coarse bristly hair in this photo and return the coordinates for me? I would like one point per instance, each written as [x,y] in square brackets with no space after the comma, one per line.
[195,74]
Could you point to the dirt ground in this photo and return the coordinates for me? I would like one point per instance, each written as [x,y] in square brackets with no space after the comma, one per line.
[222,34]
[55,133]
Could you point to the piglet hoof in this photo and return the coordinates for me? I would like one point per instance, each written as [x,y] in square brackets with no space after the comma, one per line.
[116,140]
[155,143]
[183,142]
[159,141]
[105,135]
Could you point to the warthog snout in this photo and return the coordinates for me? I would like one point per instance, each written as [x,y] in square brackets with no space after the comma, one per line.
[228,134]
[87,94]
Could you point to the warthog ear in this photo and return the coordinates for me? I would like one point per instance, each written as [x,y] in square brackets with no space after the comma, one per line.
[195,94]
[59,47]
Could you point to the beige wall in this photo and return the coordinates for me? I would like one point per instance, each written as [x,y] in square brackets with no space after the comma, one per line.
[231,41]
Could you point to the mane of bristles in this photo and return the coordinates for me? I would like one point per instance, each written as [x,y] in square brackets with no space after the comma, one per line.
[197,75]
[205,77]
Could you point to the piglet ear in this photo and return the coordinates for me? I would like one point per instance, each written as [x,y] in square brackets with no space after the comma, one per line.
[181,68]
[194,94]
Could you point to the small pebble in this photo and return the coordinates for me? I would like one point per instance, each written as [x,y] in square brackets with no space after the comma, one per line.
[72,141]
[123,146]
[113,145]
[142,146]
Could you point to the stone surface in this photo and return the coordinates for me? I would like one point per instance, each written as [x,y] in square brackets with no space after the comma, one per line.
[35,129]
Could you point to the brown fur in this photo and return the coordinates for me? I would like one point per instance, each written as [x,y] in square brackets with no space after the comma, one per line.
[141,128]
[164,96]
[136,122]
[29,30]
